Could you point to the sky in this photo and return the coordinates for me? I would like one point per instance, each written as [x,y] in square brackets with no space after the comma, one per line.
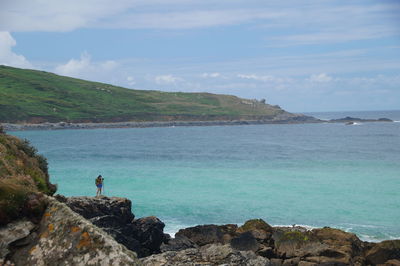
[305,56]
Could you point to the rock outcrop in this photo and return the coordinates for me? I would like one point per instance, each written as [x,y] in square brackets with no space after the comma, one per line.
[356,119]
[385,252]
[65,238]
[114,215]
[12,233]
[212,254]
[280,245]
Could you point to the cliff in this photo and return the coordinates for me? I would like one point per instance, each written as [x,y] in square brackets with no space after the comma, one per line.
[23,180]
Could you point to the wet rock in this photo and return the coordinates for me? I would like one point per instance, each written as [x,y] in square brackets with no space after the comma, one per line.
[384,251]
[306,263]
[114,215]
[177,243]
[13,232]
[326,245]
[343,247]
[245,241]
[209,234]
[292,261]
[214,254]
[276,262]
[149,232]
[65,238]
[290,244]
[391,263]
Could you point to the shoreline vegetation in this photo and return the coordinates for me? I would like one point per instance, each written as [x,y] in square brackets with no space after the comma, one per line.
[297,119]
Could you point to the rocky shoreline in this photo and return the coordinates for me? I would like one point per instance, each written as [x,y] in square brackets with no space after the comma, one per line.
[300,119]
[104,231]
[65,125]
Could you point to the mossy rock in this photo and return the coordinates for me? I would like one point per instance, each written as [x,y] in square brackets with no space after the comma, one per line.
[255,224]
[296,236]
[336,235]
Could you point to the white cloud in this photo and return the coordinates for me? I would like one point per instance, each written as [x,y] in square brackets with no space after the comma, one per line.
[74,67]
[131,80]
[7,56]
[48,15]
[188,19]
[265,78]
[109,65]
[311,23]
[87,69]
[167,79]
[25,15]
[334,36]
[211,75]
[256,77]
[320,78]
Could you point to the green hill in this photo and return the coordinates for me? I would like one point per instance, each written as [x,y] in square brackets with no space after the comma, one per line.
[35,96]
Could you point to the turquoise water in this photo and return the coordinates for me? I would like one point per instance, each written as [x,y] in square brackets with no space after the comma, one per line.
[311,174]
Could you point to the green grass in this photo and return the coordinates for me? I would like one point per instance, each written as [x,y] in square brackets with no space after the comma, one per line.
[37,96]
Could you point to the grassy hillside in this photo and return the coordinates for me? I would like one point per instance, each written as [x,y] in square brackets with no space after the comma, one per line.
[37,96]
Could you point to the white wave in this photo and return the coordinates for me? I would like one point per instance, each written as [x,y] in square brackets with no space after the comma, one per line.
[360,225]
[308,227]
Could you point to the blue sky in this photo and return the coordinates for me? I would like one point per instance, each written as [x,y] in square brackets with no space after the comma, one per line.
[303,55]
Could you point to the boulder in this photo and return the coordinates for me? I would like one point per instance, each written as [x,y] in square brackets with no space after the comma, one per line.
[384,251]
[213,254]
[149,232]
[177,244]
[114,215]
[209,234]
[91,207]
[319,246]
[13,232]
[245,241]
[344,247]
[65,238]
[258,228]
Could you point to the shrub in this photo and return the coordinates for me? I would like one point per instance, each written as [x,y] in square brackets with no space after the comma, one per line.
[26,147]
[43,165]
[12,200]
[18,198]
[2,130]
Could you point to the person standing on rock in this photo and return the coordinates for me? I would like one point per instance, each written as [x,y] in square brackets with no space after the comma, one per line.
[99,185]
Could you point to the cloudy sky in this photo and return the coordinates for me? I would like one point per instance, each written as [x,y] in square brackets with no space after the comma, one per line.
[303,55]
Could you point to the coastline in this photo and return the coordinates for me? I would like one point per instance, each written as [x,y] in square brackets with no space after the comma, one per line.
[148,124]
[65,125]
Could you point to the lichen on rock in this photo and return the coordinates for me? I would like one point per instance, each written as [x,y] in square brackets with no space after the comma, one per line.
[66,238]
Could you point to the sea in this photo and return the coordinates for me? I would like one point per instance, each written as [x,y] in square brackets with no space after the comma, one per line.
[313,175]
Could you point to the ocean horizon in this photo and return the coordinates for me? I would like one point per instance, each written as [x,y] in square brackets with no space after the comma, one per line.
[313,175]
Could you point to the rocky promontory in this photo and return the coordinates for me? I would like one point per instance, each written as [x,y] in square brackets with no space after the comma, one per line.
[349,119]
